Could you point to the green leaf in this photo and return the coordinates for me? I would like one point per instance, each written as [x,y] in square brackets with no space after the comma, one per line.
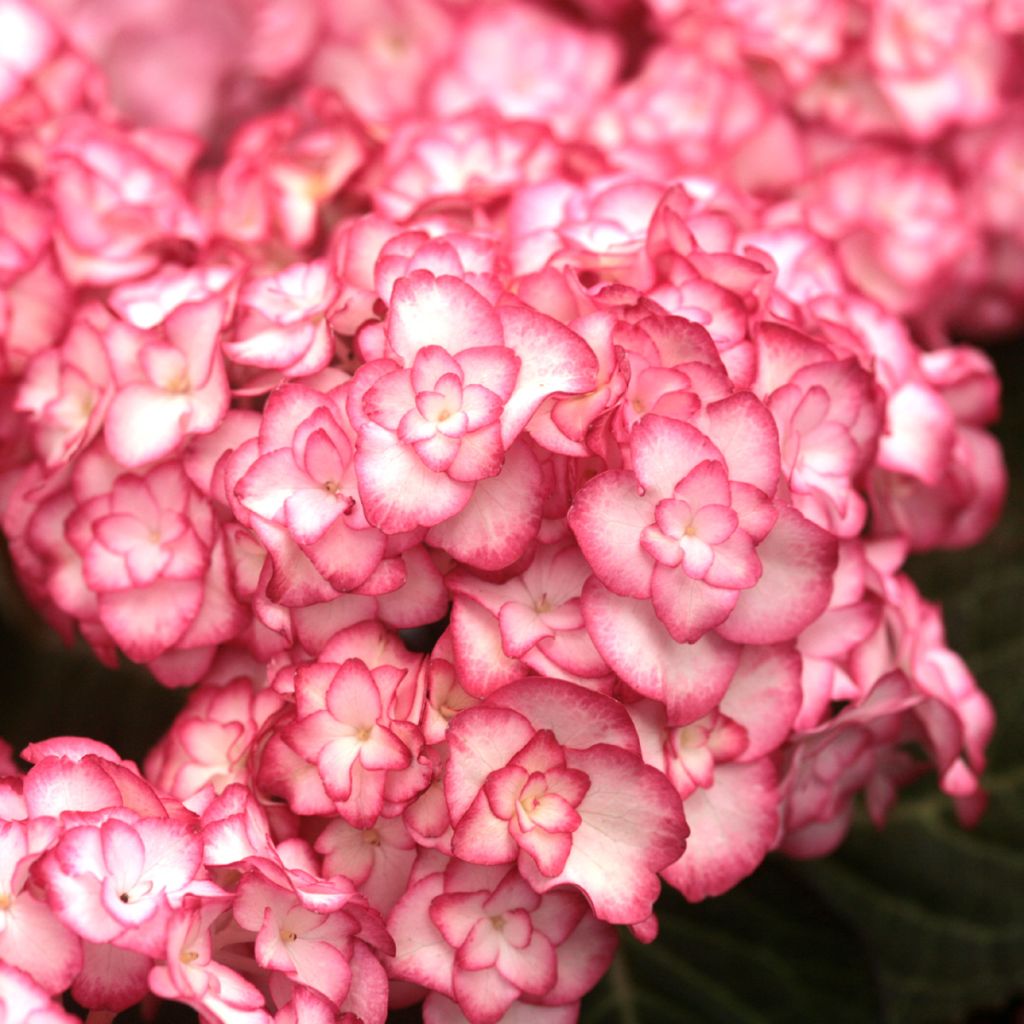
[941,908]
[768,952]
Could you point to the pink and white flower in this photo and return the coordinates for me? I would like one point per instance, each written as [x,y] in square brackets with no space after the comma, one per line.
[24,1000]
[696,532]
[296,489]
[148,549]
[484,938]
[547,775]
[169,382]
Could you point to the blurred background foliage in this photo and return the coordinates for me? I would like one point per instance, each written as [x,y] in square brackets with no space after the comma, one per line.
[920,924]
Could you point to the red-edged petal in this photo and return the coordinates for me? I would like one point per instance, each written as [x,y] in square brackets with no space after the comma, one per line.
[484,996]
[111,978]
[549,850]
[144,423]
[764,696]
[555,360]
[35,941]
[444,311]
[399,492]
[632,828]
[421,955]
[438,1009]
[286,409]
[735,564]
[497,524]
[350,558]
[322,966]
[311,512]
[578,717]
[744,431]
[533,969]
[270,481]
[608,517]
[503,789]
[583,957]
[664,451]
[495,369]
[797,560]
[732,826]
[390,398]
[481,837]
[689,607]
[146,621]
[480,660]
[478,455]
[481,740]
[690,679]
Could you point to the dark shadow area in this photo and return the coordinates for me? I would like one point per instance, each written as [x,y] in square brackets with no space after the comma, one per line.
[48,688]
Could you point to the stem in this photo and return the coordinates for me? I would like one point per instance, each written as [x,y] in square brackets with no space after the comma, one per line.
[622,987]
[100,1017]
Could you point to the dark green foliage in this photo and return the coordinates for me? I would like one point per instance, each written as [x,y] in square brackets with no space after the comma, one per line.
[769,951]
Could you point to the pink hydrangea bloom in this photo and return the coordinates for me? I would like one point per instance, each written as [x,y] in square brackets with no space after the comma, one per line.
[283,169]
[526,64]
[685,529]
[148,548]
[169,382]
[483,938]
[296,490]
[106,231]
[521,788]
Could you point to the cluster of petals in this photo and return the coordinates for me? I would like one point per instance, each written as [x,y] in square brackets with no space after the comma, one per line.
[510,427]
[112,890]
[895,124]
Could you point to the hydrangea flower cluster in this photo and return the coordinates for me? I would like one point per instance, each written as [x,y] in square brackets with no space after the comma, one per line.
[895,125]
[528,518]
